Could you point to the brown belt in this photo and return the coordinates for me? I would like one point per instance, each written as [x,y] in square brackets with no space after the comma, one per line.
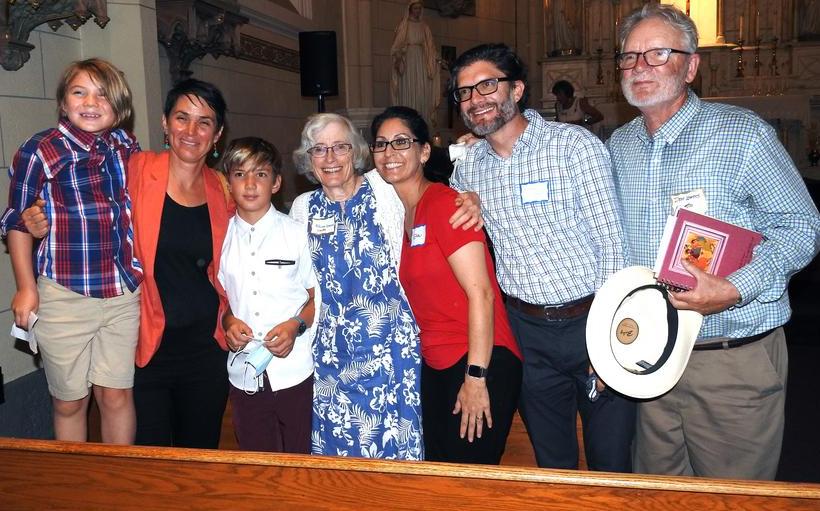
[732,343]
[567,310]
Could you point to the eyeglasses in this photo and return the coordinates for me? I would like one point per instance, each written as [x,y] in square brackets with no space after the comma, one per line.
[654,57]
[320,151]
[399,144]
[484,87]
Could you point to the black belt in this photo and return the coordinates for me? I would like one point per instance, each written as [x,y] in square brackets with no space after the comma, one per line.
[732,343]
[567,310]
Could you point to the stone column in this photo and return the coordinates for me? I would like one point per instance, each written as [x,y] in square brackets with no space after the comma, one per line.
[130,42]
[357,48]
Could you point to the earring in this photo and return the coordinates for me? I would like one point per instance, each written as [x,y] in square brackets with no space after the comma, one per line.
[215,153]
[165,144]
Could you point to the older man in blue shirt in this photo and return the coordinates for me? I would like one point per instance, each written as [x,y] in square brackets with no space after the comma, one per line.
[725,417]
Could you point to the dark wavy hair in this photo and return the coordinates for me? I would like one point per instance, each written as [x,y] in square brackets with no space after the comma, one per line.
[565,87]
[501,56]
[207,92]
[410,117]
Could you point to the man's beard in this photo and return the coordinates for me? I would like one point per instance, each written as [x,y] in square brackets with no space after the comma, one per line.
[670,87]
[505,113]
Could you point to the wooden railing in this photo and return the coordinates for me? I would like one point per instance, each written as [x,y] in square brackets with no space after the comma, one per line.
[38,474]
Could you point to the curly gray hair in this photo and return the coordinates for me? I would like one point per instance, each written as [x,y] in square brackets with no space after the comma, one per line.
[667,13]
[315,124]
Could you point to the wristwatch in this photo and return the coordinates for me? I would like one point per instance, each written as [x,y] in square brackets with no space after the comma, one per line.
[302,325]
[475,371]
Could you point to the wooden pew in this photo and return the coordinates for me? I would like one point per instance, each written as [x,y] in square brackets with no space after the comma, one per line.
[37,474]
[518,451]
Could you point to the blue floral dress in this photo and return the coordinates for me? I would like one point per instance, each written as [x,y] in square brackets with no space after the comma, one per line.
[367,355]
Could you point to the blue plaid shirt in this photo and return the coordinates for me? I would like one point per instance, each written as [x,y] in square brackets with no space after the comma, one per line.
[89,247]
[748,180]
[549,209]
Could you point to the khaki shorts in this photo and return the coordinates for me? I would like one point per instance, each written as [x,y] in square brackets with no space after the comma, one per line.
[86,341]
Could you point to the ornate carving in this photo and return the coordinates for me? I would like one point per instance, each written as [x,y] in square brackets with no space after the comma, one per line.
[269,54]
[452,8]
[19,17]
[191,29]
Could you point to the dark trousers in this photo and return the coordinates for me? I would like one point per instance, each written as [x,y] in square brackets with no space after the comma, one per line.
[439,389]
[553,390]
[274,421]
[180,396]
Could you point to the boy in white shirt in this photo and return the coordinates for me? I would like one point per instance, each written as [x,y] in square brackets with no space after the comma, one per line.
[267,273]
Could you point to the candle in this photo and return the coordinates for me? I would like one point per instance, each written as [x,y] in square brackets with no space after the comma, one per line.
[740,28]
[757,26]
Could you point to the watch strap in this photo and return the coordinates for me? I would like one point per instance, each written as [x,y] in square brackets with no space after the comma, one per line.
[302,324]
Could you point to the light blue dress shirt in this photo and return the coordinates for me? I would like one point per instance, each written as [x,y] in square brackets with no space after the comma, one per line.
[550,210]
[748,179]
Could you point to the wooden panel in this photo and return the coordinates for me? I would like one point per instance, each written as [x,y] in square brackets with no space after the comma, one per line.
[61,475]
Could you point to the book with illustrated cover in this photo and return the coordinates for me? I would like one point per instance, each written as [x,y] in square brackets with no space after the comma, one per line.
[714,246]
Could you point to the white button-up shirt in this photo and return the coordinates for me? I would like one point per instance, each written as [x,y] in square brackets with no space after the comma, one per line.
[264,290]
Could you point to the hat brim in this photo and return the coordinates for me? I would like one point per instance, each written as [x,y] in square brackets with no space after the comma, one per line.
[600,336]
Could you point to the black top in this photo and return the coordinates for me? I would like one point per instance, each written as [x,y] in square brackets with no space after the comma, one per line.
[184,251]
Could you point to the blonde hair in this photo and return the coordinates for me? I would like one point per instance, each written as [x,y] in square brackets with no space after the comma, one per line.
[107,77]
[255,150]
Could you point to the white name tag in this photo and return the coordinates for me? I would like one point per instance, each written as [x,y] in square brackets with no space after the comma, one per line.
[535,192]
[694,200]
[418,235]
[323,225]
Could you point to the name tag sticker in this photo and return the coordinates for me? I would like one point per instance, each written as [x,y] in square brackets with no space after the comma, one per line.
[323,225]
[535,192]
[418,235]
[694,200]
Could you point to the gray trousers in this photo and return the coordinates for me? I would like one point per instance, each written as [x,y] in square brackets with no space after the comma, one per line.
[723,419]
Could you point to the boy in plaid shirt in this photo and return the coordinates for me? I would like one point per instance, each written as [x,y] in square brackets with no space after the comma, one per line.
[84,279]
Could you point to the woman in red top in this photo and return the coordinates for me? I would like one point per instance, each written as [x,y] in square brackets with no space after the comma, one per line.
[471,372]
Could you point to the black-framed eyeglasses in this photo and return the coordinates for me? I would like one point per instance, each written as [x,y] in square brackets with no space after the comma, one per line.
[654,57]
[320,151]
[484,87]
[399,144]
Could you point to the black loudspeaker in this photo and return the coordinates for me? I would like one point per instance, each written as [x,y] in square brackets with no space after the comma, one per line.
[317,63]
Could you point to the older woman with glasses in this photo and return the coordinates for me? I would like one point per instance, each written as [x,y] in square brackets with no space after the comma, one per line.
[366,352]
[366,348]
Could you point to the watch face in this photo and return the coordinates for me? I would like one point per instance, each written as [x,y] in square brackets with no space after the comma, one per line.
[476,371]
[302,325]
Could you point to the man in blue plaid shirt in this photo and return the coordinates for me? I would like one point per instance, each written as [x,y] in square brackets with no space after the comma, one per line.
[550,210]
[724,418]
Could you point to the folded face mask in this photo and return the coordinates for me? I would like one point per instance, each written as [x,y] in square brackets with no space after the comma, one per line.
[246,366]
[259,358]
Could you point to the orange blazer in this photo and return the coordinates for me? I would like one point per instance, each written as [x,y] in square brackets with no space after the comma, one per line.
[147,184]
